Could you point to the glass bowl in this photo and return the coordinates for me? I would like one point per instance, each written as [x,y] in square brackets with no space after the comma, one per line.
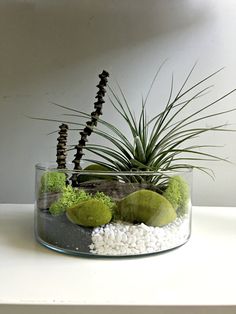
[112,214]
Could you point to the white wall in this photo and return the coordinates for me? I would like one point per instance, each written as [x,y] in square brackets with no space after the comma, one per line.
[52,50]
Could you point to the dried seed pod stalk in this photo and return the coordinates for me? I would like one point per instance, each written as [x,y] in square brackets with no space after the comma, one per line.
[61,146]
[90,124]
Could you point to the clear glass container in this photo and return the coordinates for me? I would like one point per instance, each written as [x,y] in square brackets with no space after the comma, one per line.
[112,214]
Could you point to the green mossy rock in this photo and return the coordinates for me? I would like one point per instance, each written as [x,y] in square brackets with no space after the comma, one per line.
[95,167]
[91,213]
[146,206]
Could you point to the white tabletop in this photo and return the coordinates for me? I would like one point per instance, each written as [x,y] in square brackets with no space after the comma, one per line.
[200,273]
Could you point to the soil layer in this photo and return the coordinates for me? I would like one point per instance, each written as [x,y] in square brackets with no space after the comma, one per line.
[59,232]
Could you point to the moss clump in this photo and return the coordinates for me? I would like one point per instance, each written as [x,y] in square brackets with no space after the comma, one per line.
[91,213]
[69,197]
[146,206]
[178,193]
[53,182]
[73,196]
[100,196]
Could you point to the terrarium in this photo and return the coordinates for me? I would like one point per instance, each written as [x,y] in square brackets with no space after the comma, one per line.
[112,213]
[131,195]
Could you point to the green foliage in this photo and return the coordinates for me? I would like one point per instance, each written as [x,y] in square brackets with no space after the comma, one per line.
[73,196]
[146,206]
[178,193]
[90,213]
[105,199]
[69,197]
[53,182]
[162,141]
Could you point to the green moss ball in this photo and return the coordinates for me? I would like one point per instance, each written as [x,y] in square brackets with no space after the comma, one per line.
[93,176]
[146,206]
[91,213]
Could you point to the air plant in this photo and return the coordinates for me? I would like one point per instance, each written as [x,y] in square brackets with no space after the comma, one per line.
[161,142]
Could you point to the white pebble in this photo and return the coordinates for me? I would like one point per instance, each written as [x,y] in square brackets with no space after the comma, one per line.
[122,238]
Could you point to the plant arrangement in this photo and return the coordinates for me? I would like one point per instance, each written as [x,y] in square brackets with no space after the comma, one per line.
[136,181]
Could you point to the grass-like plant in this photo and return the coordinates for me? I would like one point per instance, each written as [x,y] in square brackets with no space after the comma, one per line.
[160,143]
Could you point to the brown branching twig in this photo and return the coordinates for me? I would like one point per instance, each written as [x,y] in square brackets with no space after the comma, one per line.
[90,125]
[61,146]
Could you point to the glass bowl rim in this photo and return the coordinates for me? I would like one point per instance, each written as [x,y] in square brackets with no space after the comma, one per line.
[48,166]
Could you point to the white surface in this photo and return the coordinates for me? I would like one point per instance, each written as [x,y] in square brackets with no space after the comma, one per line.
[200,273]
[52,51]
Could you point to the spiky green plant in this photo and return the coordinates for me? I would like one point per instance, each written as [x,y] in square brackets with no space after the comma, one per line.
[161,142]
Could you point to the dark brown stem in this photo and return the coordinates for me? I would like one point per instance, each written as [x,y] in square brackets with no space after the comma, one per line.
[90,124]
[61,146]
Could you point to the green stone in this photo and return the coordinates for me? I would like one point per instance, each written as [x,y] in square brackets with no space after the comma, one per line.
[93,168]
[91,213]
[146,206]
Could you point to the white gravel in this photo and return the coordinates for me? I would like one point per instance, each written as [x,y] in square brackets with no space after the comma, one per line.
[120,238]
